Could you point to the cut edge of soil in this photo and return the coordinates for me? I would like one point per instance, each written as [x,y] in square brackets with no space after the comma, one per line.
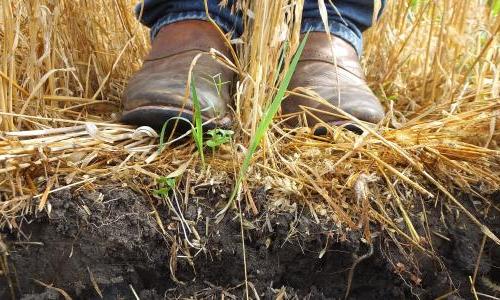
[108,243]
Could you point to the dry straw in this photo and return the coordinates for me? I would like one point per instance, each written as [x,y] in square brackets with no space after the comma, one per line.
[434,64]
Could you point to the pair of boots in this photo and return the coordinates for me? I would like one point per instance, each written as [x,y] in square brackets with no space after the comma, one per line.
[156,93]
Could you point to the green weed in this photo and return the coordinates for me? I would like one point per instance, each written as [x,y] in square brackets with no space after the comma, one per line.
[196,128]
[165,185]
[218,137]
[263,126]
[198,122]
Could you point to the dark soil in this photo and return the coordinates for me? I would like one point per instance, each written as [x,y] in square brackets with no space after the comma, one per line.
[109,242]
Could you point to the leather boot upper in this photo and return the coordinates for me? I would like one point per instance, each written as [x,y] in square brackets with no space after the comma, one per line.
[316,71]
[161,82]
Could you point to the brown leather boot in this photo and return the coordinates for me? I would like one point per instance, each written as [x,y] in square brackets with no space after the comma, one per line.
[317,71]
[156,93]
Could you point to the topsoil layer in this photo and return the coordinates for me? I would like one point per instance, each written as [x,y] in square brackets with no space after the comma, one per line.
[107,244]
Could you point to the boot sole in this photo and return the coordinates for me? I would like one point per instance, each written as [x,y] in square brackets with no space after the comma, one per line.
[320,130]
[156,116]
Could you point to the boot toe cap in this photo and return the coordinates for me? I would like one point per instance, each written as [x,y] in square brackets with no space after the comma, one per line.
[368,112]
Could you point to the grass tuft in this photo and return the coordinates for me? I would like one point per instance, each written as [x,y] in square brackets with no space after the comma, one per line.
[264,124]
[198,122]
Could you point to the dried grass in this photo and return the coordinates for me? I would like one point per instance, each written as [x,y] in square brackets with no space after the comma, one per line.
[435,65]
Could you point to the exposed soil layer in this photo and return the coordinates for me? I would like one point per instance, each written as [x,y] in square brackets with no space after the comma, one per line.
[109,243]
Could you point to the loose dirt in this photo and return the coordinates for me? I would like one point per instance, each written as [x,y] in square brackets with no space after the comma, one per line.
[108,244]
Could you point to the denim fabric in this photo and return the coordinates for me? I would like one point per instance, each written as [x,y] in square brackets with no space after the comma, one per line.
[158,13]
[347,20]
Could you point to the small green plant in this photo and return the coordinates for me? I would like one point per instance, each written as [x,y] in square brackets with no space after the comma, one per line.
[218,137]
[196,128]
[165,185]
[264,123]
[198,123]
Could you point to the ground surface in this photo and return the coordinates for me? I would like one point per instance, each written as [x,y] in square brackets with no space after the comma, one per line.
[108,242]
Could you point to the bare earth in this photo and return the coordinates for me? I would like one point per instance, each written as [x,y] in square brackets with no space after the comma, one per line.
[114,247]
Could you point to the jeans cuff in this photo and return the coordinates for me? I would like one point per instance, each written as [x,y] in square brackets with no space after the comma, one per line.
[183,16]
[337,29]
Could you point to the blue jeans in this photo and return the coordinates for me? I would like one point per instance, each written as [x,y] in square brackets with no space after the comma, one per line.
[347,21]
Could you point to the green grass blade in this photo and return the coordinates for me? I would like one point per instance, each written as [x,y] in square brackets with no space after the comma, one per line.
[162,136]
[198,123]
[282,59]
[161,146]
[495,7]
[265,122]
[197,129]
